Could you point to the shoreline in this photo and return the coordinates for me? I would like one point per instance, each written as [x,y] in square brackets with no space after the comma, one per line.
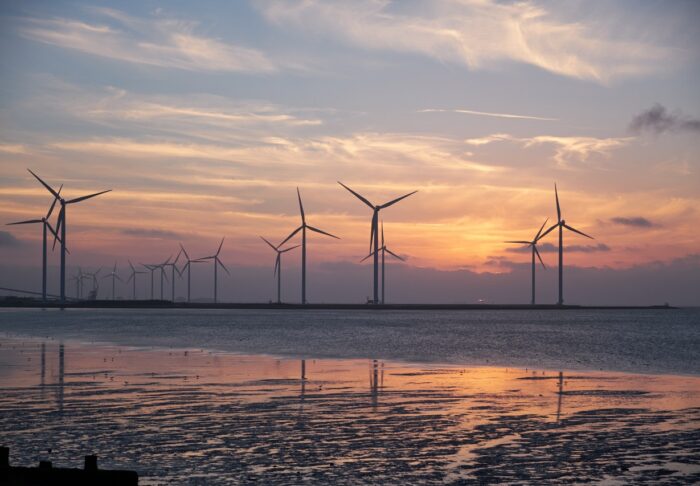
[166,304]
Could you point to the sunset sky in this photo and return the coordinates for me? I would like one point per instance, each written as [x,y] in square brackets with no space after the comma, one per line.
[204,118]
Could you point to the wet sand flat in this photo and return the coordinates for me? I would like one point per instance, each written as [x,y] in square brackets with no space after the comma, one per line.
[193,416]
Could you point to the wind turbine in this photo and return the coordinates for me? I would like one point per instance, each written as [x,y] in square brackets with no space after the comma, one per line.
[114,276]
[561,224]
[374,232]
[172,273]
[161,266]
[61,226]
[189,269]
[151,268]
[303,229]
[217,262]
[93,277]
[384,250]
[46,225]
[278,265]
[134,272]
[533,245]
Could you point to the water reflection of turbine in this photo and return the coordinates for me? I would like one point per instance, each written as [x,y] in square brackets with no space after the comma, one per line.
[43,368]
[301,418]
[375,383]
[561,394]
[61,375]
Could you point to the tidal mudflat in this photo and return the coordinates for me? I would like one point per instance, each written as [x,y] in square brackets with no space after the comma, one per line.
[195,416]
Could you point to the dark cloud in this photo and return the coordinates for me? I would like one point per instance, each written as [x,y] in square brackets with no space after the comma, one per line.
[152,233]
[8,240]
[542,248]
[551,248]
[587,248]
[637,221]
[658,119]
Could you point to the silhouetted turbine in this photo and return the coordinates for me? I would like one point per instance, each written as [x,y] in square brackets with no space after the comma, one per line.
[374,231]
[303,229]
[561,224]
[533,245]
[114,276]
[217,262]
[278,265]
[173,267]
[134,272]
[189,269]
[384,250]
[61,226]
[45,225]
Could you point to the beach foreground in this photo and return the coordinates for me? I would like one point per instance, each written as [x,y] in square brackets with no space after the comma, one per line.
[201,417]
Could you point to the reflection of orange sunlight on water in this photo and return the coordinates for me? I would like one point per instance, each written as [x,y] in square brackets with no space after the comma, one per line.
[192,400]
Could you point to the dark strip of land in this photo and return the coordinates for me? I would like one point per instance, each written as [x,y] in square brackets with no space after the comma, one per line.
[166,304]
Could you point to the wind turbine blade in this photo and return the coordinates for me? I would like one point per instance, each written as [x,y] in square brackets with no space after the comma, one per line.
[301,207]
[289,249]
[519,242]
[277,264]
[216,260]
[177,257]
[322,232]
[61,216]
[382,233]
[556,195]
[220,245]
[55,235]
[131,277]
[365,258]
[357,195]
[29,221]
[44,184]
[290,236]
[165,274]
[537,252]
[394,254]
[184,251]
[390,203]
[547,232]
[537,236]
[83,198]
[577,231]
[53,204]
[271,245]
[132,266]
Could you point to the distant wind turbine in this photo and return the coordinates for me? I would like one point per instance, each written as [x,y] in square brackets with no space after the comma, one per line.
[172,266]
[374,231]
[61,226]
[45,225]
[133,275]
[561,224]
[278,265]
[114,276]
[303,229]
[151,268]
[533,245]
[217,262]
[188,267]
[384,250]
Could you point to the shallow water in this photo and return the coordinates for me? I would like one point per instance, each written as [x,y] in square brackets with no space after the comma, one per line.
[195,416]
[648,341]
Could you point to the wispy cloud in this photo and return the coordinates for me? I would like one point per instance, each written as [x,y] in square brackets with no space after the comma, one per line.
[576,148]
[13,148]
[658,119]
[477,33]
[152,233]
[156,41]
[551,248]
[635,221]
[486,113]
